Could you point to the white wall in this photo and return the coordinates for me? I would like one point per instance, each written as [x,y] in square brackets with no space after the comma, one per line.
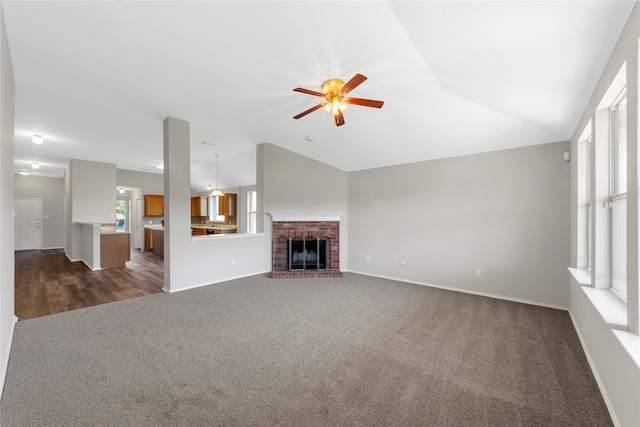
[51,191]
[7,103]
[505,213]
[149,183]
[90,197]
[192,262]
[94,191]
[617,373]
[291,183]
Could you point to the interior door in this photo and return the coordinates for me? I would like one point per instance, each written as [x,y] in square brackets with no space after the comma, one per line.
[27,214]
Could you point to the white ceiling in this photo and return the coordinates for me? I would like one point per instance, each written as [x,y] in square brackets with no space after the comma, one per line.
[96,79]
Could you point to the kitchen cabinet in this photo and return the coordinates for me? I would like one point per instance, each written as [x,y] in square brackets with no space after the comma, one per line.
[115,249]
[198,232]
[148,239]
[199,206]
[153,205]
[227,204]
[158,243]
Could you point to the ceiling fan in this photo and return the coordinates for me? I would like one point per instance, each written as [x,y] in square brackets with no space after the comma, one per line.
[334,91]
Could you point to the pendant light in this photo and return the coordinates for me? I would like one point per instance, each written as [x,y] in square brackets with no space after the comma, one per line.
[216,192]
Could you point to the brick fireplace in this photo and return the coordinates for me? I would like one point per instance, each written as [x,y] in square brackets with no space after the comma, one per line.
[305,246]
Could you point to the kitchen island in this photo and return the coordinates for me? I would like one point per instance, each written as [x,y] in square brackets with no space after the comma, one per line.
[101,246]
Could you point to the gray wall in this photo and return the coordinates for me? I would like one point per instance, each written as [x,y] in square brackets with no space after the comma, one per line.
[291,183]
[94,191]
[7,144]
[505,213]
[51,191]
[149,183]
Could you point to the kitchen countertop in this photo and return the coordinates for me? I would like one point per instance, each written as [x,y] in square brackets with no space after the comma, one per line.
[205,226]
[214,227]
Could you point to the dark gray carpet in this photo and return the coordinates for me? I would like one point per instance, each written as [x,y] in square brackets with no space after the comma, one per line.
[310,352]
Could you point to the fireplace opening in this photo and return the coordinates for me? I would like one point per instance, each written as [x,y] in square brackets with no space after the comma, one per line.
[306,254]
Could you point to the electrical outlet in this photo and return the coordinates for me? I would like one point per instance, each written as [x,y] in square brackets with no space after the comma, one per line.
[402,263]
[366,258]
[233,261]
[478,273]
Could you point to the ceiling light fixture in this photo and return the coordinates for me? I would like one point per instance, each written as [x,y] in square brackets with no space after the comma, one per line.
[24,173]
[216,192]
[121,190]
[332,90]
[160,167]
[37,138]
[35,165]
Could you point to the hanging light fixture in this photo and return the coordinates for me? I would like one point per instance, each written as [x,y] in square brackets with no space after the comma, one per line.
[216,192]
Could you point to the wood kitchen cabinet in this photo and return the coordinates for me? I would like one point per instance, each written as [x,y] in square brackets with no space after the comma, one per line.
[227,204]
[199,206]
[153,205]
[115,249]
[158,243]
[148,239]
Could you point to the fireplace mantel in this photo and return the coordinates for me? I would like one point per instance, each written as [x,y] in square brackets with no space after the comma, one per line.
[300,216]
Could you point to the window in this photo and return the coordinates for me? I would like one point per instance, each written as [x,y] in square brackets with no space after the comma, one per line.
[618,199]
[213,210]
[251,212]
[123,212]
[587,183]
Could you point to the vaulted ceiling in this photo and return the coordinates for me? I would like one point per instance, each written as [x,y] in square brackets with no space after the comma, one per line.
[97,78]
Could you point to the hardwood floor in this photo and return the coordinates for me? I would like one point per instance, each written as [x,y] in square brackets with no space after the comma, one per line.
[46,282]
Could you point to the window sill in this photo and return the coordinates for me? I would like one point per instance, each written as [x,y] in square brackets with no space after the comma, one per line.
[610,307]
[631,343]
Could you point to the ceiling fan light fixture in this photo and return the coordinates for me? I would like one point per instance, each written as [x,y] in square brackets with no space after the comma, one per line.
[334,92]
[336,102]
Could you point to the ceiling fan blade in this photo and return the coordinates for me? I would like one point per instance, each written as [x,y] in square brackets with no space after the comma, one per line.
[353,83]
[364,102]
[339,119]
[310,110]
[309,92]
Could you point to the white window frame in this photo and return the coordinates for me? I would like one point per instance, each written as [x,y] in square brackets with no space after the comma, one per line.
[618,196]
[252,212]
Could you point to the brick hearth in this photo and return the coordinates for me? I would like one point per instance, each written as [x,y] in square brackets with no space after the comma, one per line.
[284,230]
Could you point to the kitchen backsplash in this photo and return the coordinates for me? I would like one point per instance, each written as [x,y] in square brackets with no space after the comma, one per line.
[152,220]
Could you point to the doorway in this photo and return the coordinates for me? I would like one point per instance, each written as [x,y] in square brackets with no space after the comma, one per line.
[27,215]
[123,214]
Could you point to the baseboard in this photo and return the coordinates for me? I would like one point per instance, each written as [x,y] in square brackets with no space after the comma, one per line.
[5,365]
[70,259]
[594,371]
[466,291]
[213,283]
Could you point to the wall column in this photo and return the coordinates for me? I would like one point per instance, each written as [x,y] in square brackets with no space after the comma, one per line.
[177,202]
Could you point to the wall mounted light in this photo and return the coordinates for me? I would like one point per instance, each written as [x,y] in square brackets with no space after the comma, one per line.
[35,165]
[37,138]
